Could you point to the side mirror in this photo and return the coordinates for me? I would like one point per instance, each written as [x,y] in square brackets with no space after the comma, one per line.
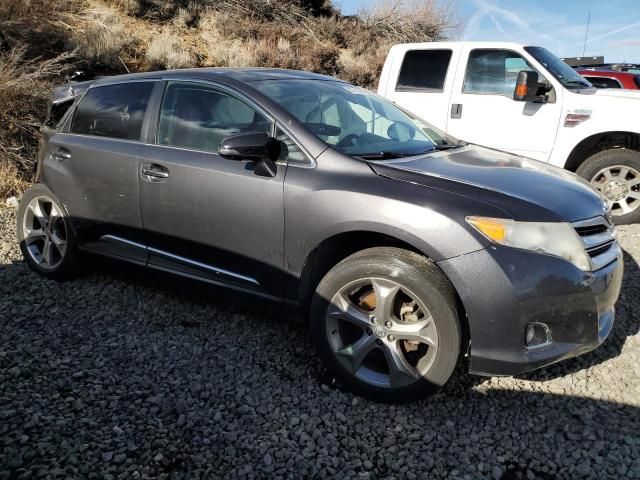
[256,146]
[529,88]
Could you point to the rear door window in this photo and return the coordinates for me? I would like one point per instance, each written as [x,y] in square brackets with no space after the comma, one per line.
[198,117]
[113,111]
[423,70]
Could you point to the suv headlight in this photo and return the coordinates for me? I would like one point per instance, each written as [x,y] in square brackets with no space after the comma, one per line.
[551,238]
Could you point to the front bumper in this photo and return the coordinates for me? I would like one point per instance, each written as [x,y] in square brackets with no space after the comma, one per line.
[504,289]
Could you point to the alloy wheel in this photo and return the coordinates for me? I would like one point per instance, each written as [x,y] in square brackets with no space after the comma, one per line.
[621,187]
[44,232]
[381,333]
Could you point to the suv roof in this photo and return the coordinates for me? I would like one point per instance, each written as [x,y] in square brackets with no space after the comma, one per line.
[242,75]
[239,74]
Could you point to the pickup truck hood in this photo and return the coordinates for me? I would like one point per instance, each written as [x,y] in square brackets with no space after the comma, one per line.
[524,189]
[618,93]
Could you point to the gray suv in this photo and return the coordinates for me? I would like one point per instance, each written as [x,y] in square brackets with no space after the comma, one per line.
[405,249]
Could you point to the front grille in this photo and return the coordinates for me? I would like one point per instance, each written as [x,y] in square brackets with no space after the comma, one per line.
[599,238]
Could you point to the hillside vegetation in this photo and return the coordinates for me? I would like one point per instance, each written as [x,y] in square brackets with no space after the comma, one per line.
[43,41]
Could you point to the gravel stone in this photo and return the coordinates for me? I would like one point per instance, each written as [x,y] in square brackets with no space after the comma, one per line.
[123,373]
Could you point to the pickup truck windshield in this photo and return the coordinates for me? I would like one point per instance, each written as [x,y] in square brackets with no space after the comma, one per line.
[353,120]
[562,72]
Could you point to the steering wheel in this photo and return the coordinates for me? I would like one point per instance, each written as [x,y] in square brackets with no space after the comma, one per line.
[348,140]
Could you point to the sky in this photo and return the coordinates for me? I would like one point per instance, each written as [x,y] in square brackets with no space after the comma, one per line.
[558,25]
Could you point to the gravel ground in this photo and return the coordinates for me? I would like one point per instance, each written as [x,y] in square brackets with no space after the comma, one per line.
[119,375]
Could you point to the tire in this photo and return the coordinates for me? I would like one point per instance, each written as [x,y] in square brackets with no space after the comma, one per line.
[41,220]
[349,311]
[616,174]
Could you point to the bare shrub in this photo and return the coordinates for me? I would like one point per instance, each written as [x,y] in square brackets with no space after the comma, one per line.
[167,51]
[410,20]
[15,10]
[239,54]
[129,7]
[355,68]
[12,181]
[321,58]
[103,37]
[25,83]
[286,11]
[187,16]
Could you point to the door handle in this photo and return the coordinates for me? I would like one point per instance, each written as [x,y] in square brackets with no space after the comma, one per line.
[154,170]
[456,110]
[61,154]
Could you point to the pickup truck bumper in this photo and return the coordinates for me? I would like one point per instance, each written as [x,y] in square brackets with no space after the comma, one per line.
[503,290]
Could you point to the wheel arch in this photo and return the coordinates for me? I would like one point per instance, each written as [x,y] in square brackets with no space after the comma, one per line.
[332,250]
[599,142]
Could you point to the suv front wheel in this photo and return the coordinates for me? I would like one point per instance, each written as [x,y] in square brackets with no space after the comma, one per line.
[384,321]
[46,239]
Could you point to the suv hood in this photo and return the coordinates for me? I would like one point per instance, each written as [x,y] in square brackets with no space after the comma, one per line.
[524,189]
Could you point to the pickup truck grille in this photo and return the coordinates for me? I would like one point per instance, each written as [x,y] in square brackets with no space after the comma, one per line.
[599,239]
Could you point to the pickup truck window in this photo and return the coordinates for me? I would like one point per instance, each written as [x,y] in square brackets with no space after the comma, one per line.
[423,70]
[491,71]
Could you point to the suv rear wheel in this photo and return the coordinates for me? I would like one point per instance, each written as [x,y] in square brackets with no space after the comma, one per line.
[616,174]
[384,320]
[46,239]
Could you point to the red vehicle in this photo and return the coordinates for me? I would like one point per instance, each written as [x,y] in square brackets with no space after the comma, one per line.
[611,78]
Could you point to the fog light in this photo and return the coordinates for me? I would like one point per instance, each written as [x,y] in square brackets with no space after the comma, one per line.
[537,335]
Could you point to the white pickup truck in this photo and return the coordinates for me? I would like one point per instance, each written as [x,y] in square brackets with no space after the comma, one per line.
[526,101]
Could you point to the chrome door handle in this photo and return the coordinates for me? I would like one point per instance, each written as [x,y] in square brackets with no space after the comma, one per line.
[61,155]
[155,171]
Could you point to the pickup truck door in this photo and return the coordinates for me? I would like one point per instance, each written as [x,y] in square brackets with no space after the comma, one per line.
[483,111]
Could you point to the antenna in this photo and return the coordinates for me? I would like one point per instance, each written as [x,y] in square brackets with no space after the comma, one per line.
[586,34]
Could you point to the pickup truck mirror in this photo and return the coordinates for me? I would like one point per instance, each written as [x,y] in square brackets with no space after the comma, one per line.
[529,88]
[256,146]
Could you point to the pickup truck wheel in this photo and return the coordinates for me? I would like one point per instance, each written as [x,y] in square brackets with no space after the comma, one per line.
[616,173]
[384,321]
[44,234]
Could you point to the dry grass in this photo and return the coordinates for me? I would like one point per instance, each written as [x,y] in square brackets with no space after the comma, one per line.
[102,39]
[24,83]
[167,51]
[13,182]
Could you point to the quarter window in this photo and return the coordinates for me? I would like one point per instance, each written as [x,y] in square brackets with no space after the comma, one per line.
[198,117]
[289,151]
[494,72]
[114,111]
[423,70]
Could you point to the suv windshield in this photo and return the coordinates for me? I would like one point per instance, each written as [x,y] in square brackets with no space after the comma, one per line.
[560,70]
[353,120]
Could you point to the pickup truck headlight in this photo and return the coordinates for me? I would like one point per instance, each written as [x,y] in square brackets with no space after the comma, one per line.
[551,238]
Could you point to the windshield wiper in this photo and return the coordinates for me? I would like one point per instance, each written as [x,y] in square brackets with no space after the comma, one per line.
[386,155]
[447,146]
[578,82]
